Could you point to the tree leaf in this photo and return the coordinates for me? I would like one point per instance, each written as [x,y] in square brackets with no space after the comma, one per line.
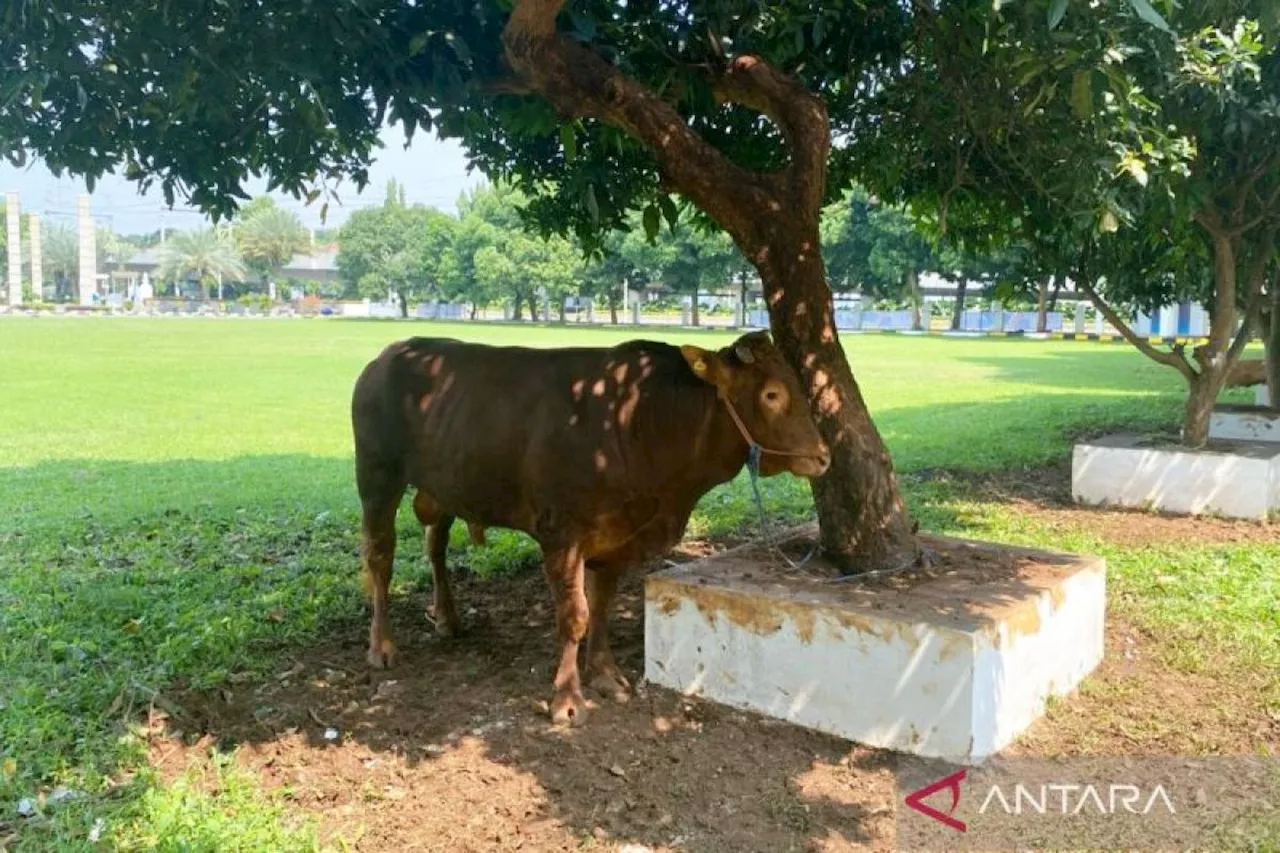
[418,43]
[669,211]
[460,48]
[569,140]
[1056,12]
[651,222]
[1082,94]
[1148,13]
[593,206]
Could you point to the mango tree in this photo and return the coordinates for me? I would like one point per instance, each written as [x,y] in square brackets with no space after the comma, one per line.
[597,109]
[1139,152]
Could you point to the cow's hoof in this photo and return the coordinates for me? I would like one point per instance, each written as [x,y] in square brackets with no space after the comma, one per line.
[611,683]
[380,655]
[568,709]
[444,620]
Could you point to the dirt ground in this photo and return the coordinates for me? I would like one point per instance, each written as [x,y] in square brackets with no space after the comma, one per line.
[451,749]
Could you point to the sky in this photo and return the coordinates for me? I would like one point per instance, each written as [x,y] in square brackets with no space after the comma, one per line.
[434,173]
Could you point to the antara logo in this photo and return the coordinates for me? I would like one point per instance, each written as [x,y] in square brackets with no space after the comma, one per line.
[950,783]
[1067,798]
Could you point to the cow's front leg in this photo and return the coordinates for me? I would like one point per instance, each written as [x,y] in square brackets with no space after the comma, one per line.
[603,674]
[564,570]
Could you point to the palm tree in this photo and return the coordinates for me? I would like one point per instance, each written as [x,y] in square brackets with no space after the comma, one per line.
[203,254]
[60,256]
[269,238]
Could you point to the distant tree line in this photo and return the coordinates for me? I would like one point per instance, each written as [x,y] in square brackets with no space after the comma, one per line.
[489,254]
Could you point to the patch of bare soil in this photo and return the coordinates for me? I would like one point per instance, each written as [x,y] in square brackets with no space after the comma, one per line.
[451,749]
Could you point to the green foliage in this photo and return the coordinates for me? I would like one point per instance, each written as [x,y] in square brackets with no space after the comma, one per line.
[267,236]
[1101,145]
[698,259]
[308,117]
[627,257]
[60,253]
[203,254]
[872,247]
[495,258]
[396,249]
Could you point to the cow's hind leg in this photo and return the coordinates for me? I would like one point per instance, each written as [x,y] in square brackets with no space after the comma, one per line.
[377,556]
[437,526]
[564,570]
[603,674]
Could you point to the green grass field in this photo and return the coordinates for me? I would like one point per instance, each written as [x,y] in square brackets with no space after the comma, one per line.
[177,505]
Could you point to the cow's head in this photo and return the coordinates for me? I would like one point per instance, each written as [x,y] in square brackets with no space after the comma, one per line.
[766,394]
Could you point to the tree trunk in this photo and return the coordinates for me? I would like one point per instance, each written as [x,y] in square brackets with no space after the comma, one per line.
[957,314]
[474,309]
[917,299]
[864,521]
[533,309]
[1199,408]
[693,307]
[562,310]
[1042,306]
[774,221]
[1217,357]
[1059,279]
[613,308]
[404,306]
[518,314]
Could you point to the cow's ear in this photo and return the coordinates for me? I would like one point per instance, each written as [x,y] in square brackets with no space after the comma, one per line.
[707,366]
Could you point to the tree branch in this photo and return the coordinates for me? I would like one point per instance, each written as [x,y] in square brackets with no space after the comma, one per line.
[504,86]
[1268,212]
[578,82]
[802,117]
[1253,298]
[1173,358]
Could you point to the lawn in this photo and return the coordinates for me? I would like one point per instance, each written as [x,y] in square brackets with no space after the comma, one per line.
[177,513]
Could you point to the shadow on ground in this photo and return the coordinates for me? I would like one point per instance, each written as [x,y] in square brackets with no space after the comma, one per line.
[451,749]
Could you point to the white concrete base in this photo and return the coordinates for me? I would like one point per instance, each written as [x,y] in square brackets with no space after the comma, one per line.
[1260,396]
[1234,479]
[1244,423]
[947,668]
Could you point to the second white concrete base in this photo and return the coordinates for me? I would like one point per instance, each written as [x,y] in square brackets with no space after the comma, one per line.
[1260,396]
[1234,479]
[945,668]
[1244,423]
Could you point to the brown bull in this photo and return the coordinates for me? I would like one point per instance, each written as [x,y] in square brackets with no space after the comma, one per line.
[599,454]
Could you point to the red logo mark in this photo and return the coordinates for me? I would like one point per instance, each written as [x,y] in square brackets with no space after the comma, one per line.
[952,783]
